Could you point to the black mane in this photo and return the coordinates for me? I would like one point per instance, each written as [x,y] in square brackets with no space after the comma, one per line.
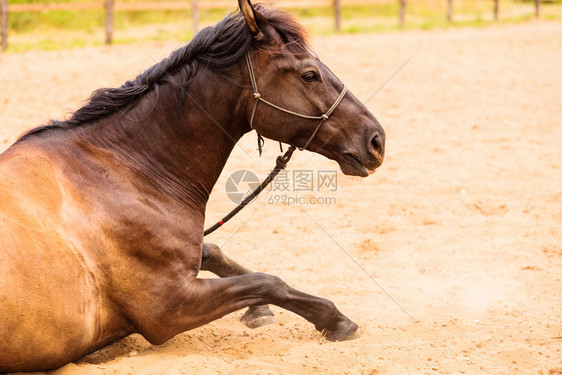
[216,48]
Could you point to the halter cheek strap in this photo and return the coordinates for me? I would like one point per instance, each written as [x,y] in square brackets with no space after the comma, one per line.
[257,98]
[282,160]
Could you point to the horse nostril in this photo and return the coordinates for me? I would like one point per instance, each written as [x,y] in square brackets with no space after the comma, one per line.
[378,144]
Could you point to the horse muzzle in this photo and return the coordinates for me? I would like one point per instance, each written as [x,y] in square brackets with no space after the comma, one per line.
[365,160]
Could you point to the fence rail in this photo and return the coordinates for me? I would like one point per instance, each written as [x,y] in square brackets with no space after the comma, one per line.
[177,5]
[111,6]
[3,25]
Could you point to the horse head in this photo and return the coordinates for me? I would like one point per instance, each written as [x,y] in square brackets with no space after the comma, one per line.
[298,100]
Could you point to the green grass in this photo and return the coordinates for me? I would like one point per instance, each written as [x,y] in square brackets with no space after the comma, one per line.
[63,20]
[72,29]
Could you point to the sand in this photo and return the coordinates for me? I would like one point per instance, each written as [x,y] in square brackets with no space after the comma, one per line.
[449,257]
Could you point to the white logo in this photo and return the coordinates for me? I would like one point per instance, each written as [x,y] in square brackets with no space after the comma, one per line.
[240,184]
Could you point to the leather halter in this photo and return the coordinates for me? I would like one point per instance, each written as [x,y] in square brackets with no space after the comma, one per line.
[258,98]
[282,160]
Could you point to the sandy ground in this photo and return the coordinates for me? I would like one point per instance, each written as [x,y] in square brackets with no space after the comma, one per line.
[449,257]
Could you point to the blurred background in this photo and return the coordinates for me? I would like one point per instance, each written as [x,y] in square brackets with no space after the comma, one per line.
[41,24]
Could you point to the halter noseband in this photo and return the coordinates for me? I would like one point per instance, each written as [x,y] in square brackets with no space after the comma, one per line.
[257,97]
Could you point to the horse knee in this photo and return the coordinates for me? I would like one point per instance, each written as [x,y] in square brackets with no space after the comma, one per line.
[273,287]
[211,254]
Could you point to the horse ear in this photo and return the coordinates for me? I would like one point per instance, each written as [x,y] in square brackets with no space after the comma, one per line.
[258,24]
[250,16]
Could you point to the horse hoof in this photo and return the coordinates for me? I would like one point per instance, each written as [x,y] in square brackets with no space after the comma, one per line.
[354,335]
[258,316]
[260,322]
[347,332]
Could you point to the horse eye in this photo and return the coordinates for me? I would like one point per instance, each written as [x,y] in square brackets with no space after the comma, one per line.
[310,76]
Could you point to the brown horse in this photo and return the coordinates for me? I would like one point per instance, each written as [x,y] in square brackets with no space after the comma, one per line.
[101,216]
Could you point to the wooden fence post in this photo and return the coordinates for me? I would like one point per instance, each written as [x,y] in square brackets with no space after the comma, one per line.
[109,9]
[450,10]
[4,24]
[496,9]
[537,9]
[402,12]
[195,15]
[337,11]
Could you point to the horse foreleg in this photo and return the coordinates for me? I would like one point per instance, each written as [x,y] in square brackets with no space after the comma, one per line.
[214,260]
[204,300]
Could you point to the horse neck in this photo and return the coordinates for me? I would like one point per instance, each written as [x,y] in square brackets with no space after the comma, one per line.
[178,142]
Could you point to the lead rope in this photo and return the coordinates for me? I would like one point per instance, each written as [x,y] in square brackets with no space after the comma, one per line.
[282,160]
[280,164]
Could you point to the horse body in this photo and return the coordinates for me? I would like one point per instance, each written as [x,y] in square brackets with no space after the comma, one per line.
[117,237]
[101,220]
